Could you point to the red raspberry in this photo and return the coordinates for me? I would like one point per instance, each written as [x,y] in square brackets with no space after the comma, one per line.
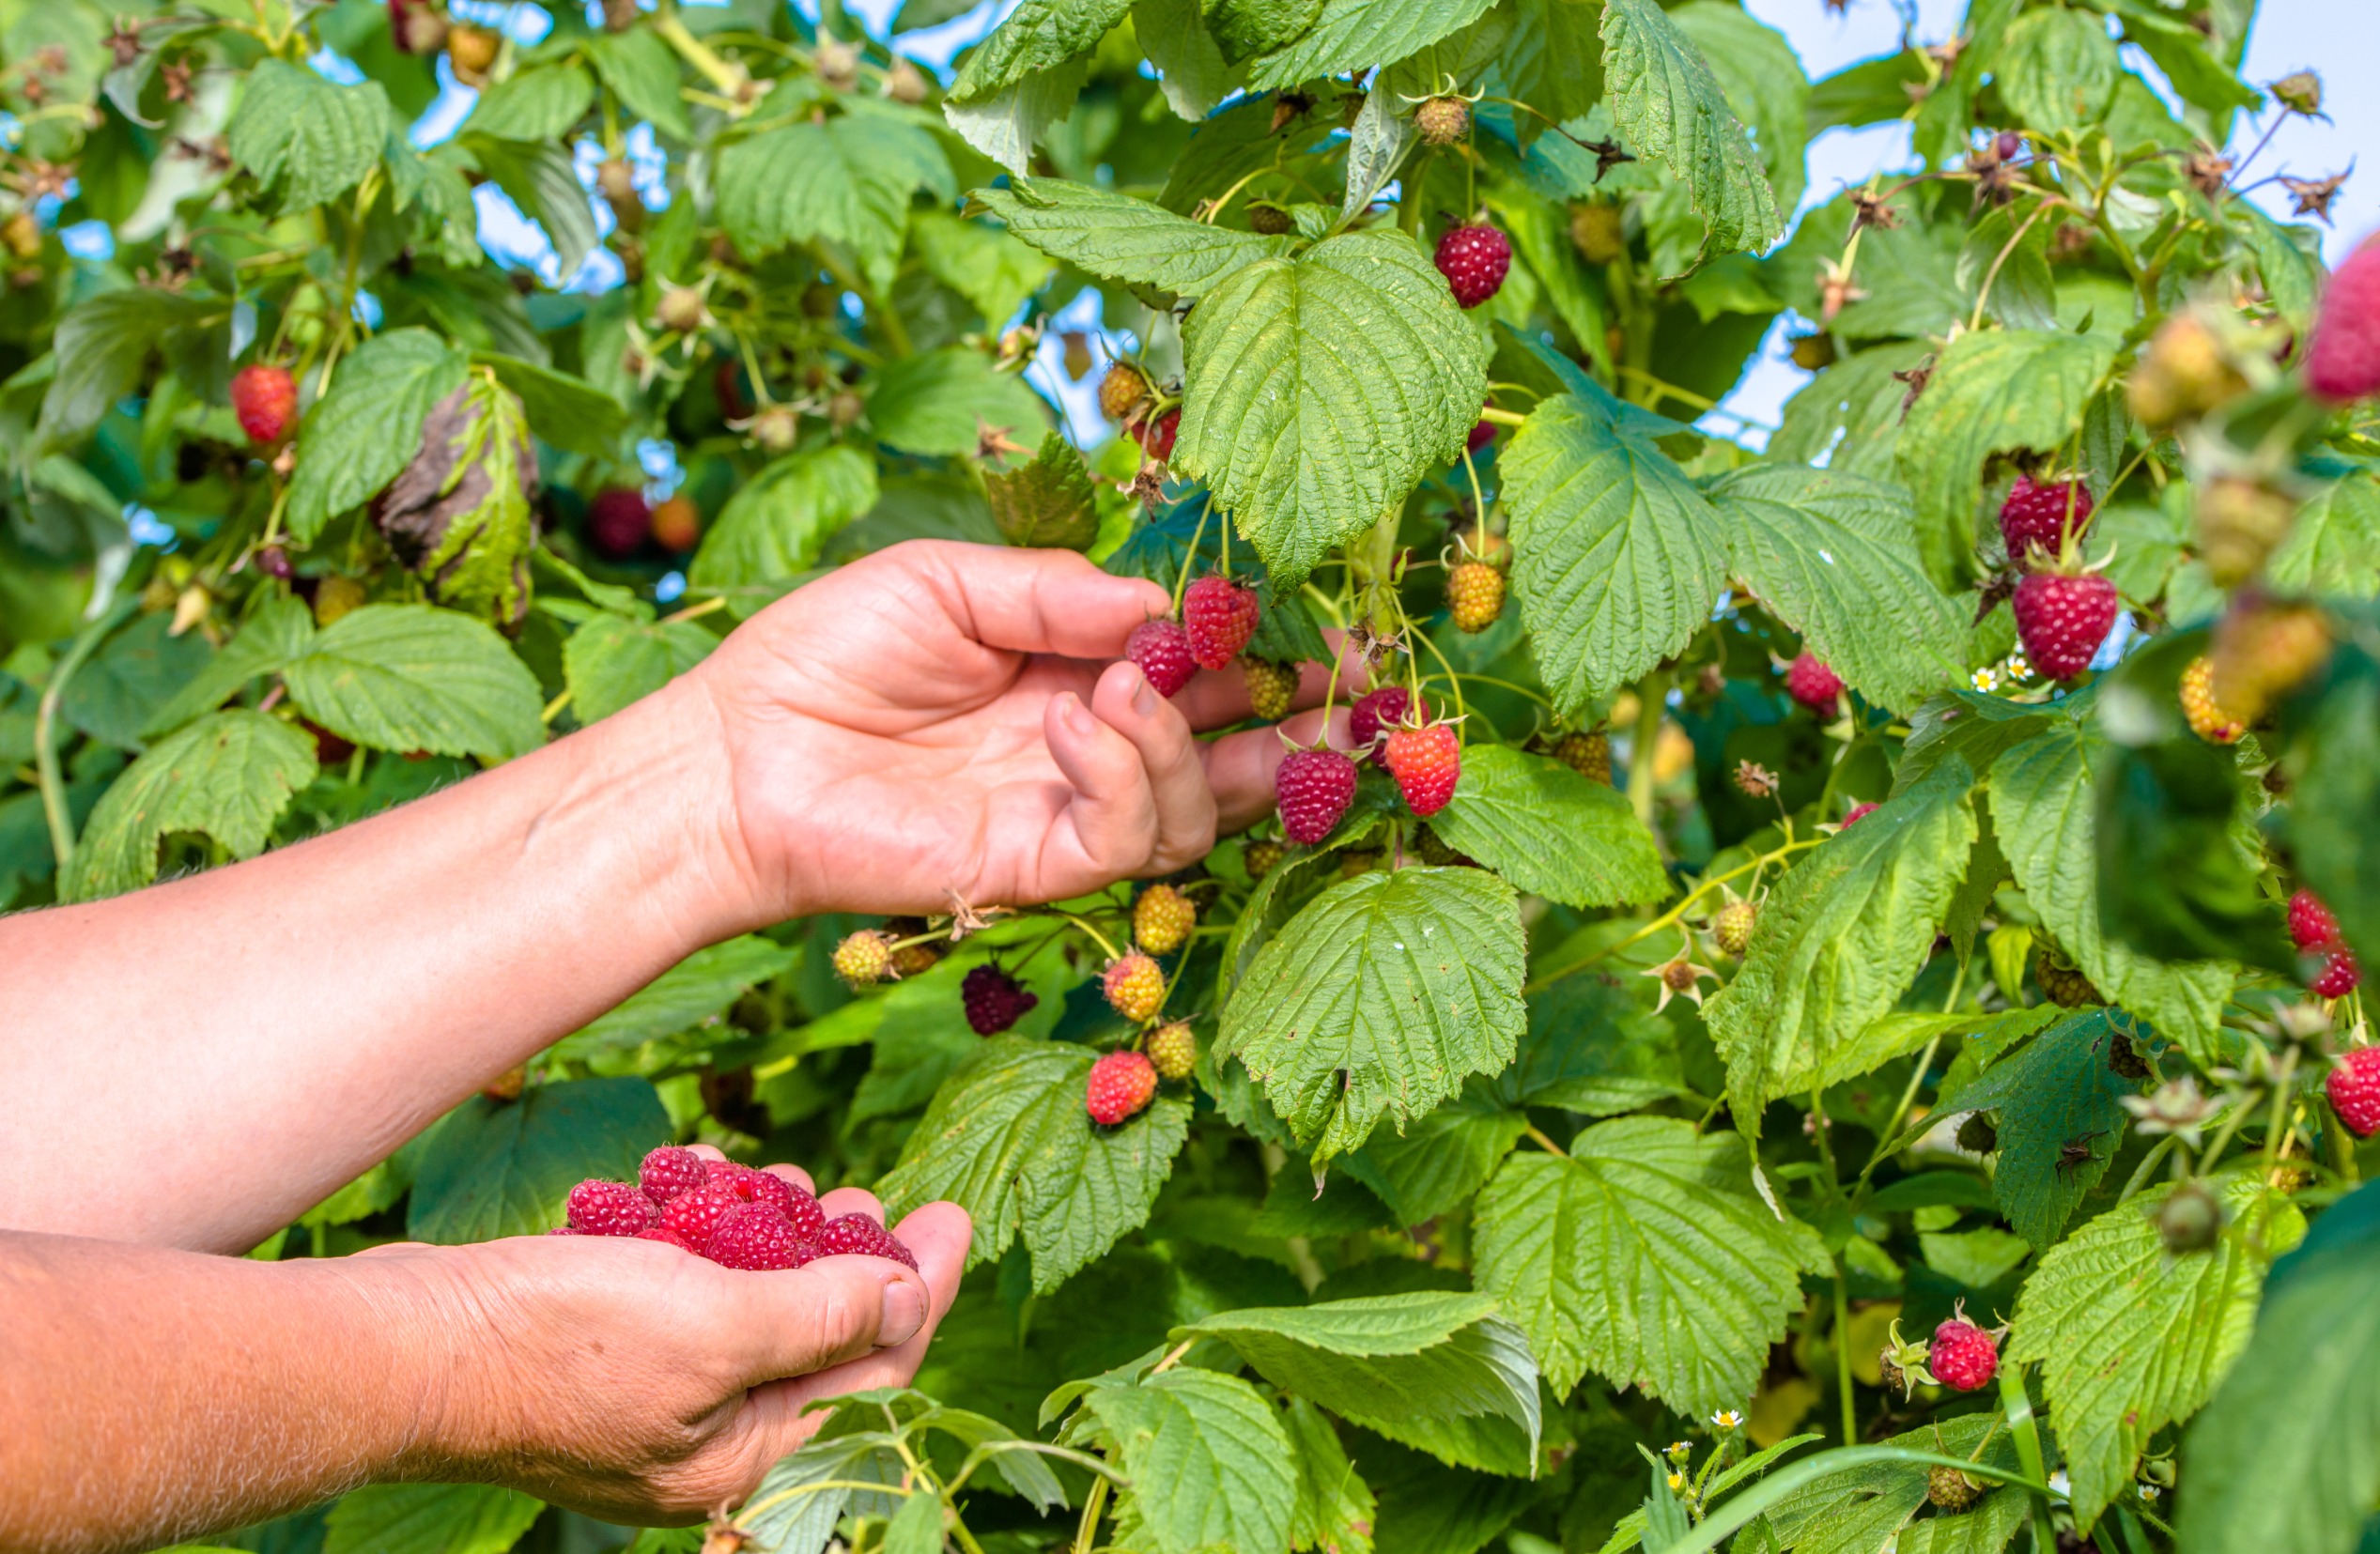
[2338,976]
[1426,763]
[1376,714]
[1161,919]
[1135,986]
[694,1215]
[1475,595]
[1811,684]
[1121,1086]
[2034,516]
[1313,788]
[1156,436]
[664,1234]
[618,522]
[1161,648]
[1219,616]
[1859,812]
[2353,1089]
[1964,1357]
[1474,260]
[994,1000]
[2062,618]
[266,401]
[1272,687]
[2343,363]
[610,1209]
[2310,923]
[670,1171]
[757,1237]
[857,1235]
[1173,1051]
[766,1187]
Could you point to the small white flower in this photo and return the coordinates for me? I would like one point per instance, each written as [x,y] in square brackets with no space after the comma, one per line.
[1726,1419]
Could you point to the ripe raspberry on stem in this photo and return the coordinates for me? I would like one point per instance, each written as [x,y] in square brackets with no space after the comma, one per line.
[1809,682]
[2343,361]
[1219,616]
[1312,789]
[1135,987]
[1161,648]
[2312,925]
[2043,515]
[1963,1356]
[618,523]
[265,398]
[1374,714]
[1426,762]
[994,1000]
[1474,258]
[2062,618]
[2353,1087]
[1118,1087]
[2339,977]
[1157,435]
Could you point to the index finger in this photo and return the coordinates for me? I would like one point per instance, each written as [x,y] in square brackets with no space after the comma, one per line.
[1029,601]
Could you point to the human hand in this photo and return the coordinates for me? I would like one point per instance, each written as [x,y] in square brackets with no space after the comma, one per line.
[628,1380]
[942,719]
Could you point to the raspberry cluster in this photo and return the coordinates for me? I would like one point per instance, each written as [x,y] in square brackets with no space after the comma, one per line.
[732,1214]
[2316,933]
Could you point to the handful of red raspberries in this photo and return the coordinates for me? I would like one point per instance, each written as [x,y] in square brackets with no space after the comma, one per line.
[733,1215]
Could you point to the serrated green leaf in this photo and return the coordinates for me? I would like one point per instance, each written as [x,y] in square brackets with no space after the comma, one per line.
[492,1168]
[429,1518]
[2056,1090]
[541,102]
[1619,557]
[1209,1464]
[275,636]
[1335,1508]
[783,1515]
[937,403]
[369,425]
[2057,69]
[1442,1158]
[990,269]
[1038,35]
[121,688]
[2183,53]
[1831,554]
[1867,1508]
[849,180]
[1551,831]
[1005,124]
[776,525]
[699,986]
[1048,502]
[1670,109]
[540,179]
[1007,1139]
[1645,1256]
[1389,1357]
[610,662]
[313,137]
[2043,808]
[642,72]
[1349,35]
[229,775]
[1378,999]
[1192,71]
[1851,412]
[1761,78]
[2131,1338]
[100,347]
[2334,545]
[1322,389]
[1119,237]
[566,411]
[410,677]
[1992,391]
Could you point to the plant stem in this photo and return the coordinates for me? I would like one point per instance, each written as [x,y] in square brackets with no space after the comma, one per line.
[1651,693]
[1673,914]
[1093,1503]
[1843,1349]
[45,743]
[1536,1136]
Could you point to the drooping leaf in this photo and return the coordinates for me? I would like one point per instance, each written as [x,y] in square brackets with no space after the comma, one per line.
[1006,124]
[100,345]
[411,677]
[369,425]
[1378,999]
[1669,107]
[462,512]
[492,1168]
[694,990]
[1644,1256]
[1322,389]
[1618,555]
[228,774]
[1348,35]
[1192,72]
[612,661]
[1119,237]
[1038,35]
[2060,1124]
[1551,831]
[1764,88]
[776,525]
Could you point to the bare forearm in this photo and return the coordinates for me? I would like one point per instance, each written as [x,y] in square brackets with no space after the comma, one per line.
[148,1395]
[317,1005]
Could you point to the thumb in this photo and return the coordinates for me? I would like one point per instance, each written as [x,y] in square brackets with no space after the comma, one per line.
[805,1320]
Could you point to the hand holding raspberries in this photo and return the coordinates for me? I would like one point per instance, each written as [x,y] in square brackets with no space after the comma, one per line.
[733,1215]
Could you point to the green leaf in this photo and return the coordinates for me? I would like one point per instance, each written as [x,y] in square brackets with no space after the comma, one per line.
[1048,502]
[538,104]
[462,512]
[1378,998]
[1558,58]
[1334,1506]
[1192,71]
[1038,35]
[540,179]
[1388,1357]
[313,137]
[1670,109]
[787,1518]
[2058,1089]
[1594,1048]
[567,411]
[2288,1455]
[642,72]
[687,994]
[1619,556]
[101,346]
[1322,389]
[1441,1159]
[2131,1338]
[492,1168]
[1830,556]
[610,662]
[2334,545]
[990,269]
[1209,1464]
[1008,1140]
[2057,69]
[1004,125]
[369,427]
[429,1518]
[2044,810]
[1348,35]
[1644,1256]
[1761,76]
[937,403]
[1119,237]
[123,685]
[410,677]
[2189,65]
[270,640]
[229,775]
[776,524]
[1869,1508]
[1851,412]
[1992,391]
[1551,831]
[848,180]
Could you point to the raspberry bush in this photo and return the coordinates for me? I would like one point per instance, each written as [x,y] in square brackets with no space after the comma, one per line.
[1562,1174]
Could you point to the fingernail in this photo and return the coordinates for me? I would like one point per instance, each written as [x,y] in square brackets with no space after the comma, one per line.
[1144,700]
[1078,715]
[904,1313]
